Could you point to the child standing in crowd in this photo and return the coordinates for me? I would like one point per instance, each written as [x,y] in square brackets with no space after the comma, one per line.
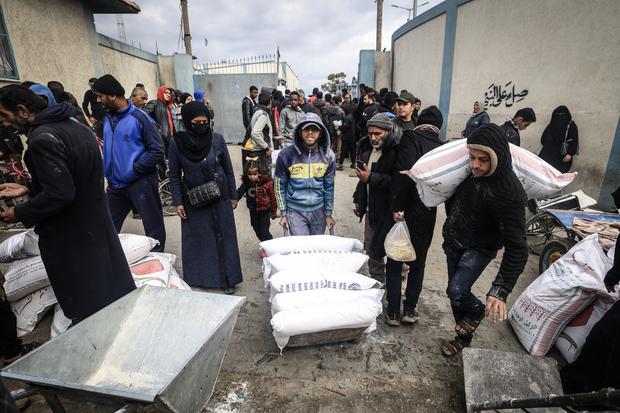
[260,198]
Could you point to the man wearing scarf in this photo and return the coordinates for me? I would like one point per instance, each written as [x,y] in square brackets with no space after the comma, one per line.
[209,238]
[132,149]
[79,247]
[486,213]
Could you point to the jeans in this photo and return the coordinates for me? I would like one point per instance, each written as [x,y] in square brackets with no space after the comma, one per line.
[463,271]
[260,222]
[306,222]
[143,195]
[393,283]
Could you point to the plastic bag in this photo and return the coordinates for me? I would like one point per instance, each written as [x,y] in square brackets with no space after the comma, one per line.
[398,244]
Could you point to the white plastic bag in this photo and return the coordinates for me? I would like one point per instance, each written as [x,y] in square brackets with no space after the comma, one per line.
[31,309]
[24,277]
[136,247]
[60,323]
[398,244]
[559,294]
[311,243]
[22,245]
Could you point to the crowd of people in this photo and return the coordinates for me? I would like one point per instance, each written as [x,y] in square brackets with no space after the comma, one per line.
[381,134]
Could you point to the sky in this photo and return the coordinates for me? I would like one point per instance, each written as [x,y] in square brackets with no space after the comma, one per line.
[316,37]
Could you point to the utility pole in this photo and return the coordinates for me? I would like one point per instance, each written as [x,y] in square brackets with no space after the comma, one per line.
[187,38]
[379,23]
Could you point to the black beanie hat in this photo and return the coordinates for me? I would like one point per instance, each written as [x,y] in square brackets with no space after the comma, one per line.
[108,85]
[431,116]
[390,98]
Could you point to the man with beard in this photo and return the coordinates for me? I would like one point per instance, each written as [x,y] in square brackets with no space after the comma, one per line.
[420,220]
[486,213]
[132,149]
[81,252]
[93,110]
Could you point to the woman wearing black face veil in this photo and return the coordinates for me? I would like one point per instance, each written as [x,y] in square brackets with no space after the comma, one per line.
[209,239]
[560,140]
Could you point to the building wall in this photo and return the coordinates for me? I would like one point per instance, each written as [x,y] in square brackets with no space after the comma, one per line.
[383,70]
[226,93]
[538,50]
[292,81]
[38,30]
[366,68]
[129,65]
[418,61]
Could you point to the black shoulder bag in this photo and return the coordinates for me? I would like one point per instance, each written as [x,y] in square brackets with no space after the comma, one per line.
[208,193]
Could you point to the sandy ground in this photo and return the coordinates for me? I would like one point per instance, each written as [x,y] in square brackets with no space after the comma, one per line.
[391,369]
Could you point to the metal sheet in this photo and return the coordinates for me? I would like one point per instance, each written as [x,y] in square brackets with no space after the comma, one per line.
[138,347]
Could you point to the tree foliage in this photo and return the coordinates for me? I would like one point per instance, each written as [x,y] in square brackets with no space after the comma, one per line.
[335,82]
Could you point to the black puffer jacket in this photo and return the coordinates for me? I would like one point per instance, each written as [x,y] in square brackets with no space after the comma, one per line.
[488,212]
[511,133]
[247,110]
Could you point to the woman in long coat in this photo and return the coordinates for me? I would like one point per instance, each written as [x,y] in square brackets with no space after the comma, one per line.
[209,237]
[561,131]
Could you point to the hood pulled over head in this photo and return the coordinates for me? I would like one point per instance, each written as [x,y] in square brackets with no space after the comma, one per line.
[491,139]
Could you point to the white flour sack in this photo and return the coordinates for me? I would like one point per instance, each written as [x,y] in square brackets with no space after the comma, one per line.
[311,243]
[31,309]
[571,340]
[314,261]
[60,323]
[153,270]
[176,282]
[24,277]
[439,172]
[328,316]
[136,247]
[22,245]
[326,296]
[559,294]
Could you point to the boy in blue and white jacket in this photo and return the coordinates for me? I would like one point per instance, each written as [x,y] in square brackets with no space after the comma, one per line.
[304,179]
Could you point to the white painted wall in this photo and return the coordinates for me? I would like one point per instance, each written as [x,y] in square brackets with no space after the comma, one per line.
[418,57]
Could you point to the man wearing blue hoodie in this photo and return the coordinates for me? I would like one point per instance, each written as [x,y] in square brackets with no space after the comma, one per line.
[304,179]
[132,149]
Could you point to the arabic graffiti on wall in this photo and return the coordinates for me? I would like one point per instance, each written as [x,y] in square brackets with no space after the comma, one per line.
[507,94]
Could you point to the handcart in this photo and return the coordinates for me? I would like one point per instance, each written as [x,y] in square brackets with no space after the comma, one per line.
[550,233]
[156,349]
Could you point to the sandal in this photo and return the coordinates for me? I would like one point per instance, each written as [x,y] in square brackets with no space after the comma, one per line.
[468,325]
[453,347]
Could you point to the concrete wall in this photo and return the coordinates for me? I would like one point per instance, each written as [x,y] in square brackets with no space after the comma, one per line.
[183,72]
[538,50]
[383,70]
[41,31]
[129,65]
[418,59]
[166,71]
[366,68]
[226,93]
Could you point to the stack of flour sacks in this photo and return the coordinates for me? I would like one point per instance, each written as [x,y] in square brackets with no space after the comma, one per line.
[315,286]
[28,289]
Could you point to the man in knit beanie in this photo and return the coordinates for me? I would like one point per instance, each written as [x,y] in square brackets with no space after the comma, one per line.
[486,213]
[372,196]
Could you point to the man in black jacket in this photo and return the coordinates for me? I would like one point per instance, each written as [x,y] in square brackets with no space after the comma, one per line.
[420,219]
[247,106]
[486,213]
[520,121]
[373,194]
[93,110]
[79,247]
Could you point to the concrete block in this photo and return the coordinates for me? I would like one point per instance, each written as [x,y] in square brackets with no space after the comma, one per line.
[496,375]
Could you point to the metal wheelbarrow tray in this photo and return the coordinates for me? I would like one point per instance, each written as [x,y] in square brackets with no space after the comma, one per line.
[155,346]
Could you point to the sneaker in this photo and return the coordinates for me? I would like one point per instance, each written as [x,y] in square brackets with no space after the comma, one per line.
[229,290]
[392,319]
[410,317]
[340,167]
[352,166]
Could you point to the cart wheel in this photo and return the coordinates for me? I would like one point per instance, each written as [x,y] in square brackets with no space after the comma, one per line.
[540,229]
[165,193]
[553,251]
